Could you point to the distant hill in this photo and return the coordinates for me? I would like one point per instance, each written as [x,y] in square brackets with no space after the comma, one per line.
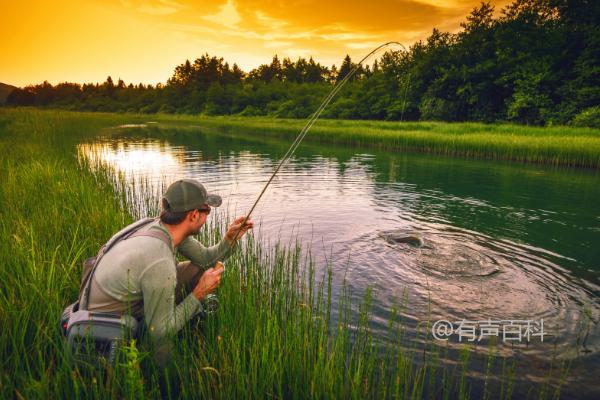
[5,91]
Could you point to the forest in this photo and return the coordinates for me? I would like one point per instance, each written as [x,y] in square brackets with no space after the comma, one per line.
[536,62]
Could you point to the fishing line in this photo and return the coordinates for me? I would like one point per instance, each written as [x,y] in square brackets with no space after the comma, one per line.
[406,87]
[313,118]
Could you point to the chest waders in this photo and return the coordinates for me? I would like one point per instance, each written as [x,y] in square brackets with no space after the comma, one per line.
[94,336]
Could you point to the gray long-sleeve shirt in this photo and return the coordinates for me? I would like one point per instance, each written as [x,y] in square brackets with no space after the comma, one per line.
[140,273]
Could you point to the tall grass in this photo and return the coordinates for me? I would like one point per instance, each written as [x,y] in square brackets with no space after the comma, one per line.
[273,336]
[549,145]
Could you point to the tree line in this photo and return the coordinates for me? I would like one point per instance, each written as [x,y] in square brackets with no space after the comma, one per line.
[536,63]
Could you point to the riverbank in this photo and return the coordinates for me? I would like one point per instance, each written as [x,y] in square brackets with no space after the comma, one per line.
[273,335]
[559,145]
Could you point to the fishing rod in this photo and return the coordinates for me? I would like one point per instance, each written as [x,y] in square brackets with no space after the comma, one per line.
[313,118]
[212,301]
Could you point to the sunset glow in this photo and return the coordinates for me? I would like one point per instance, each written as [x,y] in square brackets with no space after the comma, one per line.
[143,40]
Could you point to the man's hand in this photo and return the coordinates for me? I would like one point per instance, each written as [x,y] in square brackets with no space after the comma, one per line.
[209,281]
[233,229]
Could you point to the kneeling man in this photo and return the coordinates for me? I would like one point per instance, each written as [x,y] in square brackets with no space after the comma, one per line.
[140,275]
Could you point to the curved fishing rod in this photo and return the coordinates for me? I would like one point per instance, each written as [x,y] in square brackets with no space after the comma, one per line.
[313,118]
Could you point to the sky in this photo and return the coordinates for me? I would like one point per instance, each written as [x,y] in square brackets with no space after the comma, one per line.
[143,40]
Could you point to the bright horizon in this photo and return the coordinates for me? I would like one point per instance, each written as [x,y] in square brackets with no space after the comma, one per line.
[142,41]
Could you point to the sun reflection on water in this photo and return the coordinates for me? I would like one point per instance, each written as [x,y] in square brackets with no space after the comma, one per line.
[141,160]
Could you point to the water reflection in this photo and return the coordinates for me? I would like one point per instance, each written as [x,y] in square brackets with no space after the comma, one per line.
[500,241]
[138,160]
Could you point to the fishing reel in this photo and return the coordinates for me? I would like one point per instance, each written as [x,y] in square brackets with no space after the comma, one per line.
[211,301]
[210,304]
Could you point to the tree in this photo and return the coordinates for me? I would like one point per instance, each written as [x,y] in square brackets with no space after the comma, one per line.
[315,72]
[109,87]
[346,67]
[537,63]
[21,97]
[268,72]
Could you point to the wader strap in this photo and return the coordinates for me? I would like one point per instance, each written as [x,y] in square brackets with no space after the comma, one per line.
[125,233]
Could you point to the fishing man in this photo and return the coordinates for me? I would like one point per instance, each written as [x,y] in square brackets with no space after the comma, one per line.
[140,275]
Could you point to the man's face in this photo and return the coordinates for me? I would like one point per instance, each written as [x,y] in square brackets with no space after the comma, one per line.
[198,218]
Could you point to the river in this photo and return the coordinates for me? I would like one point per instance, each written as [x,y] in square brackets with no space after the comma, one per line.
[501,242]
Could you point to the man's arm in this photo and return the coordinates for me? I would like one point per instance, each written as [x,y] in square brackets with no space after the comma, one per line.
[201,255]
[158,290]
[206,256]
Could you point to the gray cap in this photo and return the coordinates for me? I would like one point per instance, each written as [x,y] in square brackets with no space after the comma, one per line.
[189,194]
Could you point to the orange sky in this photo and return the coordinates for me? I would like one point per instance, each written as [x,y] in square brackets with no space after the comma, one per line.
[143,40]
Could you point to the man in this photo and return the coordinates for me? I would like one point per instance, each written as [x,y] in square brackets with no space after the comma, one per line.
[140,274]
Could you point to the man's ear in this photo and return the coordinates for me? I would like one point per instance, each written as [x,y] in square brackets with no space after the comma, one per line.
[190,216]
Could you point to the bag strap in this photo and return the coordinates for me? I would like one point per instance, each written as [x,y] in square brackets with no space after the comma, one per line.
[155,233]
[132,230]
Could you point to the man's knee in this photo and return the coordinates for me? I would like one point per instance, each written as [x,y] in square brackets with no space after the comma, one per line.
[188,275]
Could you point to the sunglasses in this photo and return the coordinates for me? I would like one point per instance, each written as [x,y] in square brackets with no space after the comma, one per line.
[204,210]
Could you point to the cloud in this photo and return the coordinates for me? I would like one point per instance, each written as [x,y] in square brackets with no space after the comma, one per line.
[227,15]
[297,52]
[356,15]
[153,7]
[326,30]
[144,39]
[362,45]
[277,44]
[268,22]
[345,36]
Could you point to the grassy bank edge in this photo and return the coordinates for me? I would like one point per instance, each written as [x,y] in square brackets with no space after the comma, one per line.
[557,145]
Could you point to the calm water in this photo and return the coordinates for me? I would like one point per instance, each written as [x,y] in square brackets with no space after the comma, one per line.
[500,241]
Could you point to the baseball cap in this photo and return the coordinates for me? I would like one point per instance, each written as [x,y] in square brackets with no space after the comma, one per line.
[189,194]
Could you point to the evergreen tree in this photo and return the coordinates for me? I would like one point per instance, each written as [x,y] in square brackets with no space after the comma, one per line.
[345,69]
